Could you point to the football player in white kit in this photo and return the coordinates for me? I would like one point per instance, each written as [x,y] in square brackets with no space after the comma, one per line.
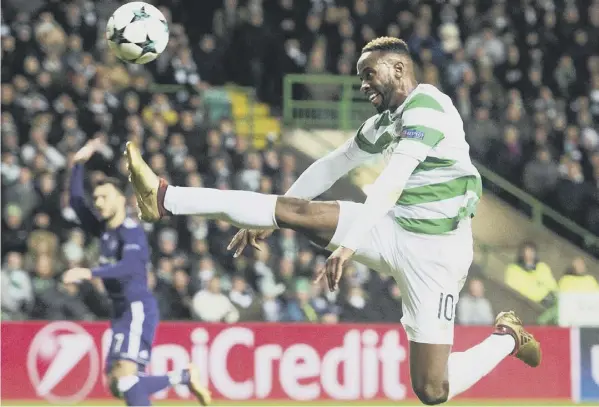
[415,224]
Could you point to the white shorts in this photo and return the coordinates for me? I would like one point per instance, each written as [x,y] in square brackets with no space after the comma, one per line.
[430,270]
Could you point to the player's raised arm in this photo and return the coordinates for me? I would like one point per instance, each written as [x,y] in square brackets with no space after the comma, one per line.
[382,196]
[88,218]
[324,172]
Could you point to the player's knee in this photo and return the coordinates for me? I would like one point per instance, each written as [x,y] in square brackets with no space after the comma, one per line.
[432,393]
[113,386]
[123,376]
[120,384]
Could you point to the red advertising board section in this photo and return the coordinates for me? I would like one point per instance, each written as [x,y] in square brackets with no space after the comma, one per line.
[63,362]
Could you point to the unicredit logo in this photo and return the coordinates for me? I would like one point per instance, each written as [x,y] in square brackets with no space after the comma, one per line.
[360,366]
[63,363]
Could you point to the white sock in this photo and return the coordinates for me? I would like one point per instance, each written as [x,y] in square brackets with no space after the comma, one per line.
[243,209]
[467,368]
[175,377]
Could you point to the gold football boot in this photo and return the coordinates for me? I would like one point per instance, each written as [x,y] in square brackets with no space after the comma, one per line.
[148,187]
[527,348]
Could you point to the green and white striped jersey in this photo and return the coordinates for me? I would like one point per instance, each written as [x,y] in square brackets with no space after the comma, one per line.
[445,188]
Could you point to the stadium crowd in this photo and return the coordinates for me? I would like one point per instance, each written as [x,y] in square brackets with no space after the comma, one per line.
[525,79]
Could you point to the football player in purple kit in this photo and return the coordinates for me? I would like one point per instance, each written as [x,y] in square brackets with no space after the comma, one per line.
[123,269]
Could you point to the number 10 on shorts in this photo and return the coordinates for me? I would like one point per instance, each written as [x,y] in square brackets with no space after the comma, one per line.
[446,307]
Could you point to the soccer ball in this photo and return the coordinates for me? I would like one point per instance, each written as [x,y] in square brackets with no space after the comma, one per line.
[137,32]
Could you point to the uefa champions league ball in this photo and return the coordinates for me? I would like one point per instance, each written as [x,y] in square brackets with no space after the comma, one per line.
[137,32]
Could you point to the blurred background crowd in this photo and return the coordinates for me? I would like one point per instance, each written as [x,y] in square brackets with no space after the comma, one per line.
[525,79]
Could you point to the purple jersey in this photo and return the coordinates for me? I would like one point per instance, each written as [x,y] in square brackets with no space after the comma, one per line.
[123,266]
[124,260]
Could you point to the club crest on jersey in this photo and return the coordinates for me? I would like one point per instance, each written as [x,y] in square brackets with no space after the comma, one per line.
[412,134]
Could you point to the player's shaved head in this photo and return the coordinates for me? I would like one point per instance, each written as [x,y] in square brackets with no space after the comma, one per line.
[387,72]
[389,44]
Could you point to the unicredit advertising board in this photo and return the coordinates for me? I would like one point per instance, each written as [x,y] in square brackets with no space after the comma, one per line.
[62,362]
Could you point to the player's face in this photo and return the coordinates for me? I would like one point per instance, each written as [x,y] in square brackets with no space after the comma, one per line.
[108,201]
[378,79]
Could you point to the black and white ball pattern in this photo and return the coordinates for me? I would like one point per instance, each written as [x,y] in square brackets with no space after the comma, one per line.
[137,32]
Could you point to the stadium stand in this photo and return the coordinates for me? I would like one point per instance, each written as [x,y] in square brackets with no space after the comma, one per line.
[525,79]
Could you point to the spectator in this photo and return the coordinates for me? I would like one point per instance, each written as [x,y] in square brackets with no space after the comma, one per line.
[531,277]
[272,307]
[386,298]
[179,296]
[577,279]
[509,155]
[53,300]
[541,175]
[94,296]
[38,147]
[244,298]
[356,307]
[22,193]
[73,249]
[288,244]
[14,232]
[10,168]
[300,309]
[211,305]
[572,193]
[162,290]
[493,49]
[322,300]
[474,308]
[286,274]
[249,178]
[16,293]
[481,133]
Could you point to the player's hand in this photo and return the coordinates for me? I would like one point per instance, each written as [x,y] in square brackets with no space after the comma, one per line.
[76,275]
[333,268]
[86,152]
[245,237]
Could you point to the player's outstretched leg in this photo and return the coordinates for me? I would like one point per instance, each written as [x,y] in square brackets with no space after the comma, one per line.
[436,381]
[136,389]
[244,209]
[510,338]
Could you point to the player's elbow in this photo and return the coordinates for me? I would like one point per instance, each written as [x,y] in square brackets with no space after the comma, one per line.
[432,393]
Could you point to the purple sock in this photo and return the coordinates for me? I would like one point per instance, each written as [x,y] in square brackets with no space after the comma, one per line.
[152,384]
[137,396]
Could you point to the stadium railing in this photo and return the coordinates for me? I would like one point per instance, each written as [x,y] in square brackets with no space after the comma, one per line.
[346,108]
